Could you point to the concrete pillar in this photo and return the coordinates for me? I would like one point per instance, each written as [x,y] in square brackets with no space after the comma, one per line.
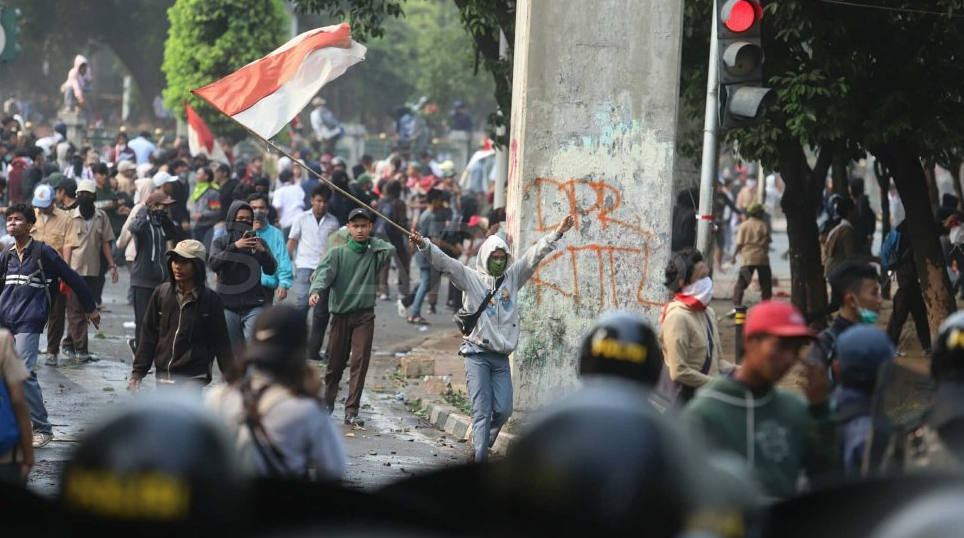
[593,130]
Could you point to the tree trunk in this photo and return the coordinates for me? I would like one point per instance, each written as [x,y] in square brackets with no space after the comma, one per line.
[146,73]
[909,177]
[838,172]
[801,203]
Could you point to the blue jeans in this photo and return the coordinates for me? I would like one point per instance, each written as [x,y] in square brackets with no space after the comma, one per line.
[301,287]
[240,324]
[424,284]
[28,344]
[489,381]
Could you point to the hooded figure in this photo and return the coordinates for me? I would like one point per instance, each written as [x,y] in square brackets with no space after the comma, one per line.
[143,188]
[239,257]
[77,86]
[491,289]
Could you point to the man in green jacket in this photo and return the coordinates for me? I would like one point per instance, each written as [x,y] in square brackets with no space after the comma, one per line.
[350,271]
[775,431]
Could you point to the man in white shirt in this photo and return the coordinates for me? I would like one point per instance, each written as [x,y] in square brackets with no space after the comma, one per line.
[288,200]
[307,243]
[143,147]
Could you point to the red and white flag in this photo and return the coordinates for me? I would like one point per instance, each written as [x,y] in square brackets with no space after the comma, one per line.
[267,93]
[200,139]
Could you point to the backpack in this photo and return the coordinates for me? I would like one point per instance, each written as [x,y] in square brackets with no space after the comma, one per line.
[9,430]
[36,249]
[889,251]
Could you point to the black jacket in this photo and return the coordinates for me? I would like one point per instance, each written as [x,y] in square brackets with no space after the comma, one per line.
[150,263]
[239,272]
[184,342]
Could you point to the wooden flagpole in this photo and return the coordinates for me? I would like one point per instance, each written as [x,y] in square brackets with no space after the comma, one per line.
[305,167]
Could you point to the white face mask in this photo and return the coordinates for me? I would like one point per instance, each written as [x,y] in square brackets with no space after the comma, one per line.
[702,290]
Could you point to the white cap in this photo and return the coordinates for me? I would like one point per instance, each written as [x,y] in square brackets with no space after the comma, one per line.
[87,185]
[162,177]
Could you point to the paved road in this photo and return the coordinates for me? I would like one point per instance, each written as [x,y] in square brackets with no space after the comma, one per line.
[394,443]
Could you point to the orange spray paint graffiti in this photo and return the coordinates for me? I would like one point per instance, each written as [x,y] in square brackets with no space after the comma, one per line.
[594,266]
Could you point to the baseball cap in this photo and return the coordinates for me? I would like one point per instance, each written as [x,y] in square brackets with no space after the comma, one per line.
[43,196]
[87,185]
[359,212]
[158,198]
[862,349]
[278,333]
[163,177]
[189,248]
[776,318]
[125,166]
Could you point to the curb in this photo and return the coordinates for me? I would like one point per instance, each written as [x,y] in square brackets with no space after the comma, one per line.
[451,421]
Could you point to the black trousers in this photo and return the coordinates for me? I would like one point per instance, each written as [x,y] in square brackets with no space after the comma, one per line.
[142,297]
[746,275]
[320,316]
[909,301]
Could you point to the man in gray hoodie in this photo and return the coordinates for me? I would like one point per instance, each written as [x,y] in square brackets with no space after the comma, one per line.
[486,349]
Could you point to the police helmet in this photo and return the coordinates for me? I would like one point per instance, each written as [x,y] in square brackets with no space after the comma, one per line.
[947,360]
[603,462]
[622,344]
[162,465]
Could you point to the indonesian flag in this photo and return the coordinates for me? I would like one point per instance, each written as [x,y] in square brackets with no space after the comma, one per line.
[267,93]
[200,139]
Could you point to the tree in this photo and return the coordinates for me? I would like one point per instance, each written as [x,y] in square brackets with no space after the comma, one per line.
[857,81]
[210,39]
[54,31]
[481,19]
[425,53]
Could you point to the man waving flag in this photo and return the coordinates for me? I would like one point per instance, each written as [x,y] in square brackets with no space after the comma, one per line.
[267,93]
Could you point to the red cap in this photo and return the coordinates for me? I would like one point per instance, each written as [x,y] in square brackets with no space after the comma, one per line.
[775,318]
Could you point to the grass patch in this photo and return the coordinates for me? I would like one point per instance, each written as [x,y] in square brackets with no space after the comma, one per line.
[417,409]
[459,401]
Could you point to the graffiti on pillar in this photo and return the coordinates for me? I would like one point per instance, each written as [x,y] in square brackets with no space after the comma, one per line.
[596,265]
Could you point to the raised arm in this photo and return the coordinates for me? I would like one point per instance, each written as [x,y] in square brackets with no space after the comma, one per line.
[458,272]
[526,266]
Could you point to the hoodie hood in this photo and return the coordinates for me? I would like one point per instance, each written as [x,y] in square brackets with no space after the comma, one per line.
[200,271]
[143,188]
[489,246]
[235,229]
[80,60]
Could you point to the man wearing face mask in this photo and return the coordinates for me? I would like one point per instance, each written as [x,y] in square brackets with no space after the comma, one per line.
[239,257]
[151,229]
[688,332]
[855,289]
[275,286]
[94,236]
[491,290]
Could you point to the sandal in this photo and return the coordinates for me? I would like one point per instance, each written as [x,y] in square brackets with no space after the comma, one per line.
[418,320]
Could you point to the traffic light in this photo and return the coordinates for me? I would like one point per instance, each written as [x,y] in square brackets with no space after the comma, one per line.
[10,25]
[742,97]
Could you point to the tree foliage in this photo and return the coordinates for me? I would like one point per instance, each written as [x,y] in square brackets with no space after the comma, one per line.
[855,80]
[208,40]
[53,32]
[423,53]
[481,19]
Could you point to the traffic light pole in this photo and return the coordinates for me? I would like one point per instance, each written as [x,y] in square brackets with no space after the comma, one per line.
[711,124]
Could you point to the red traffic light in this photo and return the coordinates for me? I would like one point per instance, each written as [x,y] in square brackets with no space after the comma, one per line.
[741,15]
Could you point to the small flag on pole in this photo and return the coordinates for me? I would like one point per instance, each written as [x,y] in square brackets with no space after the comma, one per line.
[267,93]
[200,139]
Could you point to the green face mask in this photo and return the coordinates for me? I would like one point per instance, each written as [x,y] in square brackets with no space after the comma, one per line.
[356,246]
[496,267]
